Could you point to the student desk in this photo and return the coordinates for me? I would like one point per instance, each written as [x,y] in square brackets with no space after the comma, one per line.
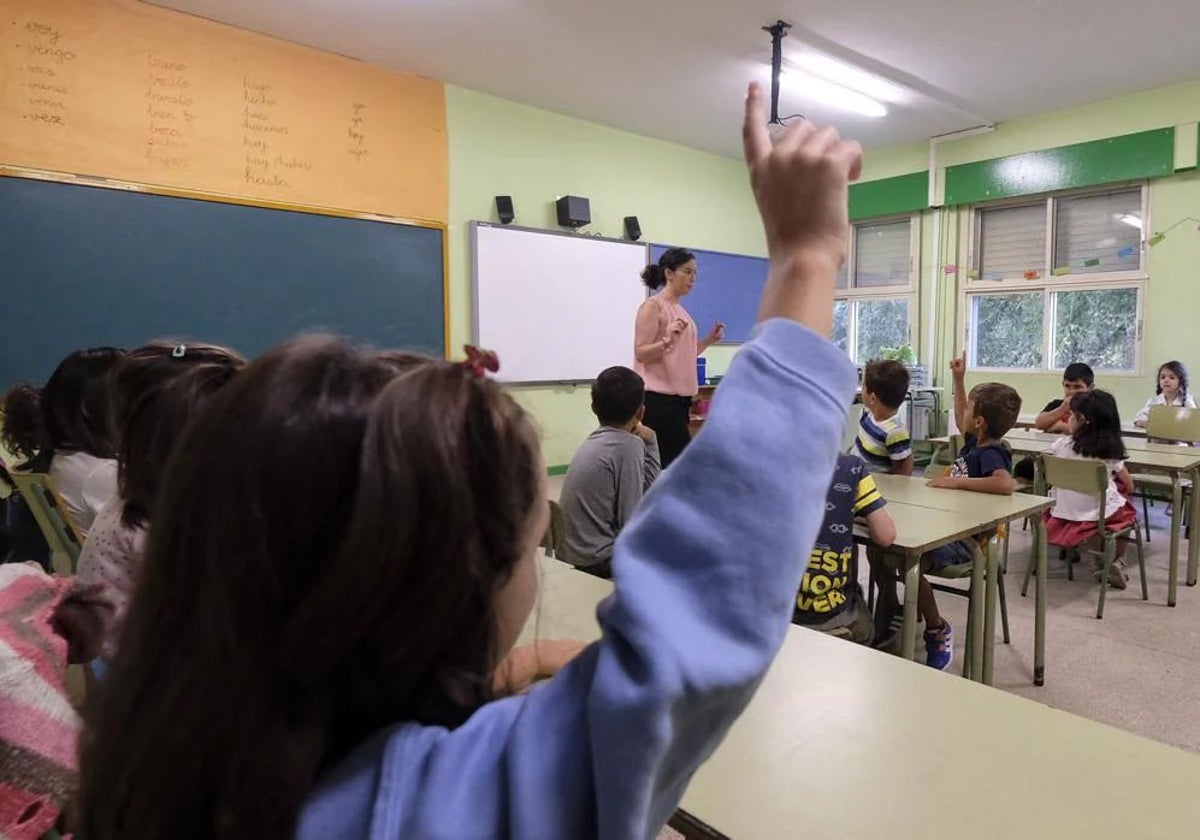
[1177,462]
[1026,421]
[935,757]
[987,511]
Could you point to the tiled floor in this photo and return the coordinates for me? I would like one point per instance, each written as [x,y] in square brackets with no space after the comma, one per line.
[1137,669]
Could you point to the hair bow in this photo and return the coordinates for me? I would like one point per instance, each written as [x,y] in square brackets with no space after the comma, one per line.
[480,362]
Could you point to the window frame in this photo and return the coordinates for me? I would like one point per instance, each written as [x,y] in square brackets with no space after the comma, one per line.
[1048,283]
[853,296]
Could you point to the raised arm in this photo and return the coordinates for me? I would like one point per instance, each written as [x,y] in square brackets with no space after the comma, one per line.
[1052,420]
[608,745]
[958,373]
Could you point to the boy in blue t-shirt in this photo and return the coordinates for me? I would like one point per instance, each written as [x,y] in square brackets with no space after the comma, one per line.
[983,465]
[830,598]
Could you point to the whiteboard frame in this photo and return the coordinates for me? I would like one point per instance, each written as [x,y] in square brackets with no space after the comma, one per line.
[474,226]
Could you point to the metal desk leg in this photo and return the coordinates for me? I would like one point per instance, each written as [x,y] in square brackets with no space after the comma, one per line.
[908,632]
[1176,516]
[1040,557]
[1193,542]
[989,622]
[975,620]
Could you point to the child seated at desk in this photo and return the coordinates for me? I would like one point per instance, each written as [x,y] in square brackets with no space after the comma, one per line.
[1078,378]
[1095,433]
[830,599]
[608,475]
[883,441]
[1172,390]
[983,465]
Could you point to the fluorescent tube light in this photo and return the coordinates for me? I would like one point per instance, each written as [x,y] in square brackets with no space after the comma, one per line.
[805,84]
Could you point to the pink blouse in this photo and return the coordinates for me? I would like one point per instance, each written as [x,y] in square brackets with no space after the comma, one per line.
[675,372]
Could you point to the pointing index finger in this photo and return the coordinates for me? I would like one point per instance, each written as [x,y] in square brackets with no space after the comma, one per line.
[755,140]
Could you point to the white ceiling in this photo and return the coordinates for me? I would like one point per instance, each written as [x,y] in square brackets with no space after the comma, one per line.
[676,69]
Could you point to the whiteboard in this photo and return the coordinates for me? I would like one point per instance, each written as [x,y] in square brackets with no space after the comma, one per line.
[555,307]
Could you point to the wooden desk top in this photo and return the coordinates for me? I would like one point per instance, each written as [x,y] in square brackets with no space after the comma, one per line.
[1156,457]
[989,509]
[920,528]
[1026,421]
[843,741]
[1132,444]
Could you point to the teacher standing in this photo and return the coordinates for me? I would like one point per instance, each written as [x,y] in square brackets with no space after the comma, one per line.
[665,348]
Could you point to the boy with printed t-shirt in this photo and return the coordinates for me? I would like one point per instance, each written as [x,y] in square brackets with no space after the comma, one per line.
[883,441]
[830,598]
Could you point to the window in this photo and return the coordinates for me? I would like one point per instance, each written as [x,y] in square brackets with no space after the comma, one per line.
[1057,280]
[874,306]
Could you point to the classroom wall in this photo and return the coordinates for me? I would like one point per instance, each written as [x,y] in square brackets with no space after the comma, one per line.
[1170,310]
[679,195]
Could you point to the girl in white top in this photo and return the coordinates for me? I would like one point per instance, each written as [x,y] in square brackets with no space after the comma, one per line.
[62,429]
[1095,434]
[1172,390]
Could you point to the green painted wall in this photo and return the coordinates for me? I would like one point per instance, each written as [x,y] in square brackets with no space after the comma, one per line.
[683,195]
[1170,313]
[1146,154]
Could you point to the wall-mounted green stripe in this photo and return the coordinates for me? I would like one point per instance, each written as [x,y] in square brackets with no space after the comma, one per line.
[1147,154]
[887,196]
[556,469]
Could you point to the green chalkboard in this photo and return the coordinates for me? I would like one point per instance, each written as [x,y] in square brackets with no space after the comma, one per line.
[84,266]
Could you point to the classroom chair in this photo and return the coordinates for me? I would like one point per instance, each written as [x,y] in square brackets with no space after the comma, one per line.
[38,491]
[556,533]
[1090,477]
[1170,424]
[963,571]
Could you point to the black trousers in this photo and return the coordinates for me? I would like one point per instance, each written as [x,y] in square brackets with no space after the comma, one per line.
[667,415]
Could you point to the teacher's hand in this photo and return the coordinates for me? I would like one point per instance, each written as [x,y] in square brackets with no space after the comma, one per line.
[715,334]
[678,326]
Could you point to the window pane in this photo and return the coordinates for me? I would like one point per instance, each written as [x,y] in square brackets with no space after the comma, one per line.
[1006,330]
[881,255]
[1098,233]
[1012,241]
[1096,327]
[881,323]
[842,279]
[841,323]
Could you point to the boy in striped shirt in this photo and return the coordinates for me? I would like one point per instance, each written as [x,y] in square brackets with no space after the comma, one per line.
[883,441]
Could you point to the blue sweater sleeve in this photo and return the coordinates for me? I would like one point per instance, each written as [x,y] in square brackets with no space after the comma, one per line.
[705,575]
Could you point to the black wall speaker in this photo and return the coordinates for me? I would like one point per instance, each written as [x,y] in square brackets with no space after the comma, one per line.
[573,212]
[504,209]
[633,230]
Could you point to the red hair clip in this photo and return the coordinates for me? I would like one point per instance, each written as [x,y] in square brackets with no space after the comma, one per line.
[480,362]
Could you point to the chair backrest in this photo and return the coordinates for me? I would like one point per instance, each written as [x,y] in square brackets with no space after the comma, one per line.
[1174,423]
[556,534]
[1082,475]
[38,491]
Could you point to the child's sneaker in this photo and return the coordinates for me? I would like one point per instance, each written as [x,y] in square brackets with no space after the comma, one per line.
[887,628]
[939,646]
[1118,578]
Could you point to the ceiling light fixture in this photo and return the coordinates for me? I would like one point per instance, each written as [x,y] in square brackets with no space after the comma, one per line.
[805,84]
[1132,220]
[849,76]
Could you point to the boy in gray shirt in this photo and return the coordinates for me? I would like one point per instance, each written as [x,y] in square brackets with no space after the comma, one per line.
[608,475]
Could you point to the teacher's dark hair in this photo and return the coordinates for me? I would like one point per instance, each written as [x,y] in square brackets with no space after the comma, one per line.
[655,276]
